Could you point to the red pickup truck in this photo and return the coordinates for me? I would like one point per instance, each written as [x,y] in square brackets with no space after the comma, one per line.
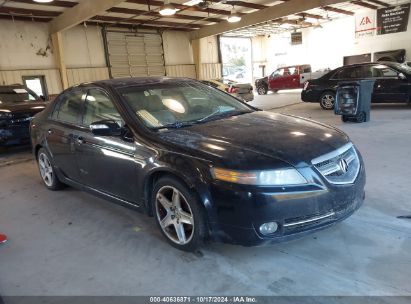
[284,78]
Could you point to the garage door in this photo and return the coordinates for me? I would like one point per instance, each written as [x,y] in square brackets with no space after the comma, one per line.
[135,55]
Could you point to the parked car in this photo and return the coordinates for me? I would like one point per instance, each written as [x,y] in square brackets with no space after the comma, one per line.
[285,78]
[392,83]
[243,91]
[203,163]
[18,104]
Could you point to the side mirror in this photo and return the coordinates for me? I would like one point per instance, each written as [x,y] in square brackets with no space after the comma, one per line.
[106,128]
[402,76]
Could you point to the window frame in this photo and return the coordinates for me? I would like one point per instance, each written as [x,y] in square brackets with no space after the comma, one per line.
[108,95]
[61,99]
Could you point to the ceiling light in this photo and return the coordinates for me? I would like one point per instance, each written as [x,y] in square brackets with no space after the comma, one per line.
[234,17]
[43,1]
[192,2]
[168,9]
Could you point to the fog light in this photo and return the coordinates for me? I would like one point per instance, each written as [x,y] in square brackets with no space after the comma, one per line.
[268,228]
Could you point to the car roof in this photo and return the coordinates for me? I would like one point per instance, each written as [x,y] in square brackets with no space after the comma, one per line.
[8,88]
[137,81]
[389,63]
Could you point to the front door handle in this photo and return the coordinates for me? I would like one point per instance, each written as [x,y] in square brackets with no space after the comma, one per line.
[80,140]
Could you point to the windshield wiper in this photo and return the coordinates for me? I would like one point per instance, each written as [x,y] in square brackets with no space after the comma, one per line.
[218,114]
[176,125]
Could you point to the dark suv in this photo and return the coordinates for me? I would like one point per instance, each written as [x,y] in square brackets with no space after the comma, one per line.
[392,83]
[18,105]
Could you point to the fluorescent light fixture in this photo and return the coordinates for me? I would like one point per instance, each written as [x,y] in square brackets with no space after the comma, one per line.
[192,2]
[43,1]
[168,9]
[234,17]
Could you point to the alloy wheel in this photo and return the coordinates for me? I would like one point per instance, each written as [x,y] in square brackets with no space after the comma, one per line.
[327,101]
[261,90]
[174,215]
[46,169]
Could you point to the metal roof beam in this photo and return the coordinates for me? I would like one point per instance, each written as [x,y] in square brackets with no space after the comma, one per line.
[273,12]
[83,11]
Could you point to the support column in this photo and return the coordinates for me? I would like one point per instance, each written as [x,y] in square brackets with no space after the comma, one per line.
[195,44]
[58,51]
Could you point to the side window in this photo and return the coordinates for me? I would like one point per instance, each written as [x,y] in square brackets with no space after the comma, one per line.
[383,71]
[98,106]
[69,108]
[348,73]
[278,73]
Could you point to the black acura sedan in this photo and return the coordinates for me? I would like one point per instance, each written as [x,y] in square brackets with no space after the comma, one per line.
[206,165]
[392,83]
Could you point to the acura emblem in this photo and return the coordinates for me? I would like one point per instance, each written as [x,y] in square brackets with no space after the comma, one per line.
[343,165]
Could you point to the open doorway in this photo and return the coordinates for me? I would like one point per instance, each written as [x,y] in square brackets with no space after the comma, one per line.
[37,84]
[236,59]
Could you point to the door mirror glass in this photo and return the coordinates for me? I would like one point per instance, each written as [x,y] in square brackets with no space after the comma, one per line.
[402,76]
[106,128]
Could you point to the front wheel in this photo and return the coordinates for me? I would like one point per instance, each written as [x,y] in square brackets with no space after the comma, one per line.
[179,214]
[262,90]
[47,172]
[327,100]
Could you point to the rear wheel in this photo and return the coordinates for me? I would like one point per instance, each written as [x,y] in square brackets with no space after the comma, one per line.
[262,89]
[47,172]
[361,117]
[179,214]
[327,100]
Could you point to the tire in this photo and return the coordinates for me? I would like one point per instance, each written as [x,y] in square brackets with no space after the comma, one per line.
[344,118]
[262,89]
[47,171]
[361,117]
[172,202]
[327,100]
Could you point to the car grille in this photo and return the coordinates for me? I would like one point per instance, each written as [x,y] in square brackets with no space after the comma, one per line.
[340,166]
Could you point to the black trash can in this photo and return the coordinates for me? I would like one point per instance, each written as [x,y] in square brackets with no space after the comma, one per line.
[353,100]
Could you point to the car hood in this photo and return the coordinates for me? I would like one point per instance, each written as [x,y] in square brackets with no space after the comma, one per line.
[18,107]
[253,138]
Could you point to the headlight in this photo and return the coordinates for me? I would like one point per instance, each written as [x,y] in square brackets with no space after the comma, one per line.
[5,115]
[279,177]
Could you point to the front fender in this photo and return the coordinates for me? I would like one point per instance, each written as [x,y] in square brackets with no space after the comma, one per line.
[194,172]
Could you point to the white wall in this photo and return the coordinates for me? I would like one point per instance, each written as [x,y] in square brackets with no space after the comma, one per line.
[325,47]
[177,48]
[19,44]
[26,49]
[83,47]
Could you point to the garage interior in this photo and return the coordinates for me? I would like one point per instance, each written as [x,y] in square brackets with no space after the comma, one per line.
[69,243]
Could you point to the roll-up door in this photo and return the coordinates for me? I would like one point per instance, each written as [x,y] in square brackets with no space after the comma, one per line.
[135,55]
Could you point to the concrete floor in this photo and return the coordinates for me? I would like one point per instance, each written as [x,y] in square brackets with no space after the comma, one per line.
[71,243]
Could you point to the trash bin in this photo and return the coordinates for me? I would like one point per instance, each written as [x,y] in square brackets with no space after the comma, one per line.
[353,100]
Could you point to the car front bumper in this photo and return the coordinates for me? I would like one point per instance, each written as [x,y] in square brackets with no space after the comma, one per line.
[309,96]
[238,213]
[246,96]
[14,134]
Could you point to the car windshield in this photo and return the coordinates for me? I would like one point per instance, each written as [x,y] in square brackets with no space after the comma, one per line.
[175,105]
[16,95]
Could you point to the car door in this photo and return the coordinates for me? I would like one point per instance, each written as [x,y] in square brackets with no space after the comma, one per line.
[292,80]
[388,85]
[276,81]
[106,163]
[62,130]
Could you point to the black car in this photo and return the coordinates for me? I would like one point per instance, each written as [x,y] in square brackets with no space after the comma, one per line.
[392,83]
[203,163]
[18,105]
